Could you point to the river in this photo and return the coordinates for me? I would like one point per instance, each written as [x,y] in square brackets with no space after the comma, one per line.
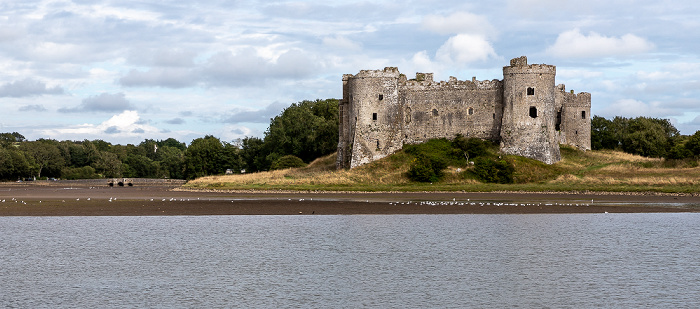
[352,261]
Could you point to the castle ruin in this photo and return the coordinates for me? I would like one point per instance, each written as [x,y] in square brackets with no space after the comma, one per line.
[526,112]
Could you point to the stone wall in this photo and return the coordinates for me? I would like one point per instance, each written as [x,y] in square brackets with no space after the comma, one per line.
[382,110]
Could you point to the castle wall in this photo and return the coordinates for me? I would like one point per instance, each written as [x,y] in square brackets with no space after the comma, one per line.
[445,109]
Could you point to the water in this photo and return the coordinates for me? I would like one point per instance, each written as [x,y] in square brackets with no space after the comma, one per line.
[394,261]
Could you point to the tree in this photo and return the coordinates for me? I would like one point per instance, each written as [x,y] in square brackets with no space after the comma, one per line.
[603,134]
[251,154]
[308,130]
[693,143]
[649,137]
[204,157]
[46,156]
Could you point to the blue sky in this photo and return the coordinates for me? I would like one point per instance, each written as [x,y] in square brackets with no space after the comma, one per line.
[124,71]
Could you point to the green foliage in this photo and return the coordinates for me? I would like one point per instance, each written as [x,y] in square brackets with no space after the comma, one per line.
[471,147]
[603,133]
[493,171]
[288,161]
[650,137]
[426,168]
[308,130]
[693,144]
[85,172]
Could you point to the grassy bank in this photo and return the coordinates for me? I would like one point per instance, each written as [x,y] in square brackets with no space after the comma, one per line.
[609,171]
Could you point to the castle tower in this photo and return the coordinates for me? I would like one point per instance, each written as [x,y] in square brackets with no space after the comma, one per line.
[369,113]
[528,125]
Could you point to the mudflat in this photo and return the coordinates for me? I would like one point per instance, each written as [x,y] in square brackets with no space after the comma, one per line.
[153,199]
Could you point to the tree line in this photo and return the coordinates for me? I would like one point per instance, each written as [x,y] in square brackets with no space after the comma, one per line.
[300,133]
[649,137]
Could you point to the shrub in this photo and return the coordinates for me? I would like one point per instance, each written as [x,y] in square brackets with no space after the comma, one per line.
[471,147]
[493,171]
[287,161]
[427,169]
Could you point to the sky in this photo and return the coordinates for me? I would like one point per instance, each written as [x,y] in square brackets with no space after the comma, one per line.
[124,71]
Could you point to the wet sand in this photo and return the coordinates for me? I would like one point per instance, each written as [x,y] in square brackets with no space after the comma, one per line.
[69,199]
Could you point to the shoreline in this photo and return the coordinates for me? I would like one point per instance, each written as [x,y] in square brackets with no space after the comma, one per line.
[64,199]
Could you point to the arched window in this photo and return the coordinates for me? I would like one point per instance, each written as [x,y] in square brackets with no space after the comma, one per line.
[583,114]
[381,97]
[530,91]
[471,111]
[533,112]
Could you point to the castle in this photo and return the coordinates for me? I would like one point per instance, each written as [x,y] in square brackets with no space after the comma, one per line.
[526,112]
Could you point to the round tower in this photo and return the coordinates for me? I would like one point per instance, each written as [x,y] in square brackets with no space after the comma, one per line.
[372,115]
[528,126]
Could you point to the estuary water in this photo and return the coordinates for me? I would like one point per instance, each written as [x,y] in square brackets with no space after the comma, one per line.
[357,261]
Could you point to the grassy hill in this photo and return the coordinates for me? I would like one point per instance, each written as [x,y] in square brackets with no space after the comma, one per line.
[611,171]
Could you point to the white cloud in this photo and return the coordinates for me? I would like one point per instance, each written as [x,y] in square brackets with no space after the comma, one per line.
[465,48]
[636,108]
[342,43]
[128,124]
[26,88]
[459,23]
[574,44]
[104,102]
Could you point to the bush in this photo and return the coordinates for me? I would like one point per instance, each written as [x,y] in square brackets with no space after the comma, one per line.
[471,147]
[493,171]
[427,169]
[287,161]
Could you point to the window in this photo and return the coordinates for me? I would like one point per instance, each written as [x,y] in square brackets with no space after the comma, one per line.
[557,126]
[533,112]
[583,114]
[471,111]
[435,112]
[530,91]
[381,97]
[494,115]
[374,116]
[377,144]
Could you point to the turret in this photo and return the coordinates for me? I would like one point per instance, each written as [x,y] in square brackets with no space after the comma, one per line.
[528,125]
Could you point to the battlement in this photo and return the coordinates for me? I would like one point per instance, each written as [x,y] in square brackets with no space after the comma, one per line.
[388,72]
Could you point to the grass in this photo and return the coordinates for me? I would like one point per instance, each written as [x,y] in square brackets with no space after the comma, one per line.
[610,171]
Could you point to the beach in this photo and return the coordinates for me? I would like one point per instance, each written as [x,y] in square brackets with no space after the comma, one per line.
[97,199]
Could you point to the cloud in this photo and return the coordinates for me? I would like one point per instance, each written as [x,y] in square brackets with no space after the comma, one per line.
[27,88]
[459,23]
[104,102]
[248,67]
[465,48]
[255,116]
[124,125]
[32,108]
[175,121]
[342,43]
[573,44]
[636,108]
[160,77]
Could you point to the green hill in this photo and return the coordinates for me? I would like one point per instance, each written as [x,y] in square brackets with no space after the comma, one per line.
[578,170]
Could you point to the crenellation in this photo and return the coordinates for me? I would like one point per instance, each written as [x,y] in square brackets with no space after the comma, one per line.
[382,110]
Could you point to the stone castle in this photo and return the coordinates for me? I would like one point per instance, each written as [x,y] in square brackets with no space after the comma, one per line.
[526,112]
